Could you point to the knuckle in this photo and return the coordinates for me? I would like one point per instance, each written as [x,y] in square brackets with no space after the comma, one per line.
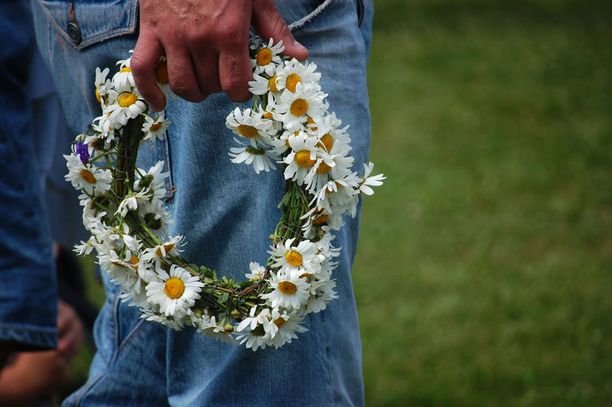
[233,84]
[198,36]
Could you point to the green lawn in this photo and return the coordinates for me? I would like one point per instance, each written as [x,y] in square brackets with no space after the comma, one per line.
[483,274]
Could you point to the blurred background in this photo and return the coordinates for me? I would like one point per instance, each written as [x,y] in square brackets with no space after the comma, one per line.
[483,273]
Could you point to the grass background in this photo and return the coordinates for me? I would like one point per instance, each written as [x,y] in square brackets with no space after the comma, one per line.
[483,273]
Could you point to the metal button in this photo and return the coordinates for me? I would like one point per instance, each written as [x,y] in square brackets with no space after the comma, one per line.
[74,32]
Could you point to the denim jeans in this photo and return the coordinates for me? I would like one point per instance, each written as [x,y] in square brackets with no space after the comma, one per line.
[226,212]
[28,295]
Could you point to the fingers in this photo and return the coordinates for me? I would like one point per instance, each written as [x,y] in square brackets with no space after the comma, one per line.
[206,67]
[144,60]
[181,75]
[269,23]
[235,72]
[70,331]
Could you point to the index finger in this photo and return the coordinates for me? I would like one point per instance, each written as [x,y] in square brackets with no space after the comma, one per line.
[143,63]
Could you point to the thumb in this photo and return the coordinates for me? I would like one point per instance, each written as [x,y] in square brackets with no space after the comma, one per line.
[269,23]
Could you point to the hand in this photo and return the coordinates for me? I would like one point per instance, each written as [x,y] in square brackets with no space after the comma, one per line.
[31,377]
[70,331]
[206,46]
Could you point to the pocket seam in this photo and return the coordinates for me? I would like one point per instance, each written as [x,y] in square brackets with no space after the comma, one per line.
[100,37]
[296,25]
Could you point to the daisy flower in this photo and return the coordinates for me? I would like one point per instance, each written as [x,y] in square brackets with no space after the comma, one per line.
[103,130]
[175,292]
[294,108]
[87,177]
[131,202]
[260,85]
[257,271]
[302,258]
[370,181]
[262,160]
[294,72]
[287,326]
[122,270]
[324,293]
[152,180]
[254,331]
[330,134]
[328,166]
[85,248]
[102,85]
[250,125]
[124,77]
[155,129]
[302,158]
[209,327]
[168,248]
[125,103]
[288,290]
[267,58]
[169,321]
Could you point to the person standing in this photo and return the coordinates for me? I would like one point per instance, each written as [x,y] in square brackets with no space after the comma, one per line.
[225,212]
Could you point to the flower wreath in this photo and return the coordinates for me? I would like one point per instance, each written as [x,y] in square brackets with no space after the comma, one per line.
[123,207]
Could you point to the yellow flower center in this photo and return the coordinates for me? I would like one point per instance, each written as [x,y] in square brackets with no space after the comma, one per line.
[167,247]
[88,176]
[311,123]
[287,287]
[161,73]
[267,115]
[320,220]
[279,322]
[294,258]
[247,131]
[127,99]
[98,97]
[264,56]
[326,141]
[299,107]
[302,158]
[125,69]
[155,126]
[323,168]
[272,84]
[292,81]
[174,287]
[134,261]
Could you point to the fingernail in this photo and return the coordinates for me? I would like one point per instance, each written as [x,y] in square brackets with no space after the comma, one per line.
[298,45]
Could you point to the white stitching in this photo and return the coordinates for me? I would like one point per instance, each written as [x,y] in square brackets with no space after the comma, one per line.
[299,23]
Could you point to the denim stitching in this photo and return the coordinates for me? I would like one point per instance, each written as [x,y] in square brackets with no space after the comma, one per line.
[302,21]
[106,35]
[119,346]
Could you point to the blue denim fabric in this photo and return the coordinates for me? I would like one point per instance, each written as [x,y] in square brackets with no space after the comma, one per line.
[27,275]
[226,212]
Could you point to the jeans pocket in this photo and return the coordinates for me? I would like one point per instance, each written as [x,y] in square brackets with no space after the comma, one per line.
[360,11]
[86,22]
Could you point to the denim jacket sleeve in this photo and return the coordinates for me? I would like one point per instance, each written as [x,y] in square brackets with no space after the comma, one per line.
[28,296]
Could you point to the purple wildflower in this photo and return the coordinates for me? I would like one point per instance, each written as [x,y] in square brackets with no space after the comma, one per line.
[82,151]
